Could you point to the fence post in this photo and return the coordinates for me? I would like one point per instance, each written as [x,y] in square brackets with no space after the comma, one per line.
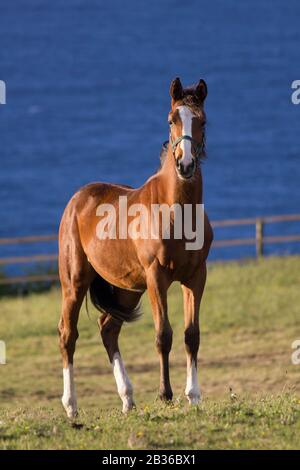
[259,237]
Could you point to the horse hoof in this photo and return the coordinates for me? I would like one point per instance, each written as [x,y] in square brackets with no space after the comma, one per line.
[166,396]
[128,405]
[193,399]
[70,409]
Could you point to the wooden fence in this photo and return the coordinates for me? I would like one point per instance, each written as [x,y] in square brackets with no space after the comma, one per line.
[259,240]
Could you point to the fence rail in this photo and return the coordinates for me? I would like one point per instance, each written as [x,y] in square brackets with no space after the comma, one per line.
[259,240]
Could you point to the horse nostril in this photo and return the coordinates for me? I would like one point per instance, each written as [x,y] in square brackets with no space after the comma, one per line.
[186,170]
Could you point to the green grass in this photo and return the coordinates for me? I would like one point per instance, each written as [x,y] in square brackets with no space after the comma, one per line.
[250,315]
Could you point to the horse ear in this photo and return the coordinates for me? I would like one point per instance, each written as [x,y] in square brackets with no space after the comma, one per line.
[201,90]
[176,90]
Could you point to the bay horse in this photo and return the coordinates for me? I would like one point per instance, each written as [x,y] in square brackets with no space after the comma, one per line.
[118,271]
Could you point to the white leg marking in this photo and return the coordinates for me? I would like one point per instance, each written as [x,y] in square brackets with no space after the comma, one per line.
[186,117]
[69,397]
[123,383]
[192,389]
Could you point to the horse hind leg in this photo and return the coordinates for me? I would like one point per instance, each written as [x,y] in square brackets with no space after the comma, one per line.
[75,275]
[110,328]
[68,335]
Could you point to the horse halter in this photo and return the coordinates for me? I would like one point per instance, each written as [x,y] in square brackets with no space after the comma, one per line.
[198,147]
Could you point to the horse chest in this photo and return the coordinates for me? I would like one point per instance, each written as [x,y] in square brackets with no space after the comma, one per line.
[178,262]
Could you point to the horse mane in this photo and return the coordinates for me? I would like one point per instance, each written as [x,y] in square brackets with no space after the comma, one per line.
[191,101]
[163,153]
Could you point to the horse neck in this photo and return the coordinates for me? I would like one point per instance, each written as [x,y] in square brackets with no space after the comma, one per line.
[172,189]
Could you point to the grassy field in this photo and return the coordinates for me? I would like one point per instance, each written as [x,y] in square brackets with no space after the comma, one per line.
[250,316]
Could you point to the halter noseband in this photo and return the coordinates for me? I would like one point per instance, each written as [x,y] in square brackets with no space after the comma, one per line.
[198,147]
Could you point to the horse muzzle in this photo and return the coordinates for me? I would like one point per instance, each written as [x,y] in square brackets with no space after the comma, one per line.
[185,171]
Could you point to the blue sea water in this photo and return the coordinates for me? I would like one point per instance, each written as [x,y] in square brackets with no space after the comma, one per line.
[87,99]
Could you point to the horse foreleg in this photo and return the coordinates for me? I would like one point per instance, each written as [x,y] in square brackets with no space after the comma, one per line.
[110,330]
[192,294]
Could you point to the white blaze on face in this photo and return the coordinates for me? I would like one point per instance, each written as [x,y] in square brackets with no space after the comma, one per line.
[69,397]
[123,383]
[186,117]
[192,389]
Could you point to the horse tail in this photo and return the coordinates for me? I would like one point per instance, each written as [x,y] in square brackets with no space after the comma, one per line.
[103,297]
